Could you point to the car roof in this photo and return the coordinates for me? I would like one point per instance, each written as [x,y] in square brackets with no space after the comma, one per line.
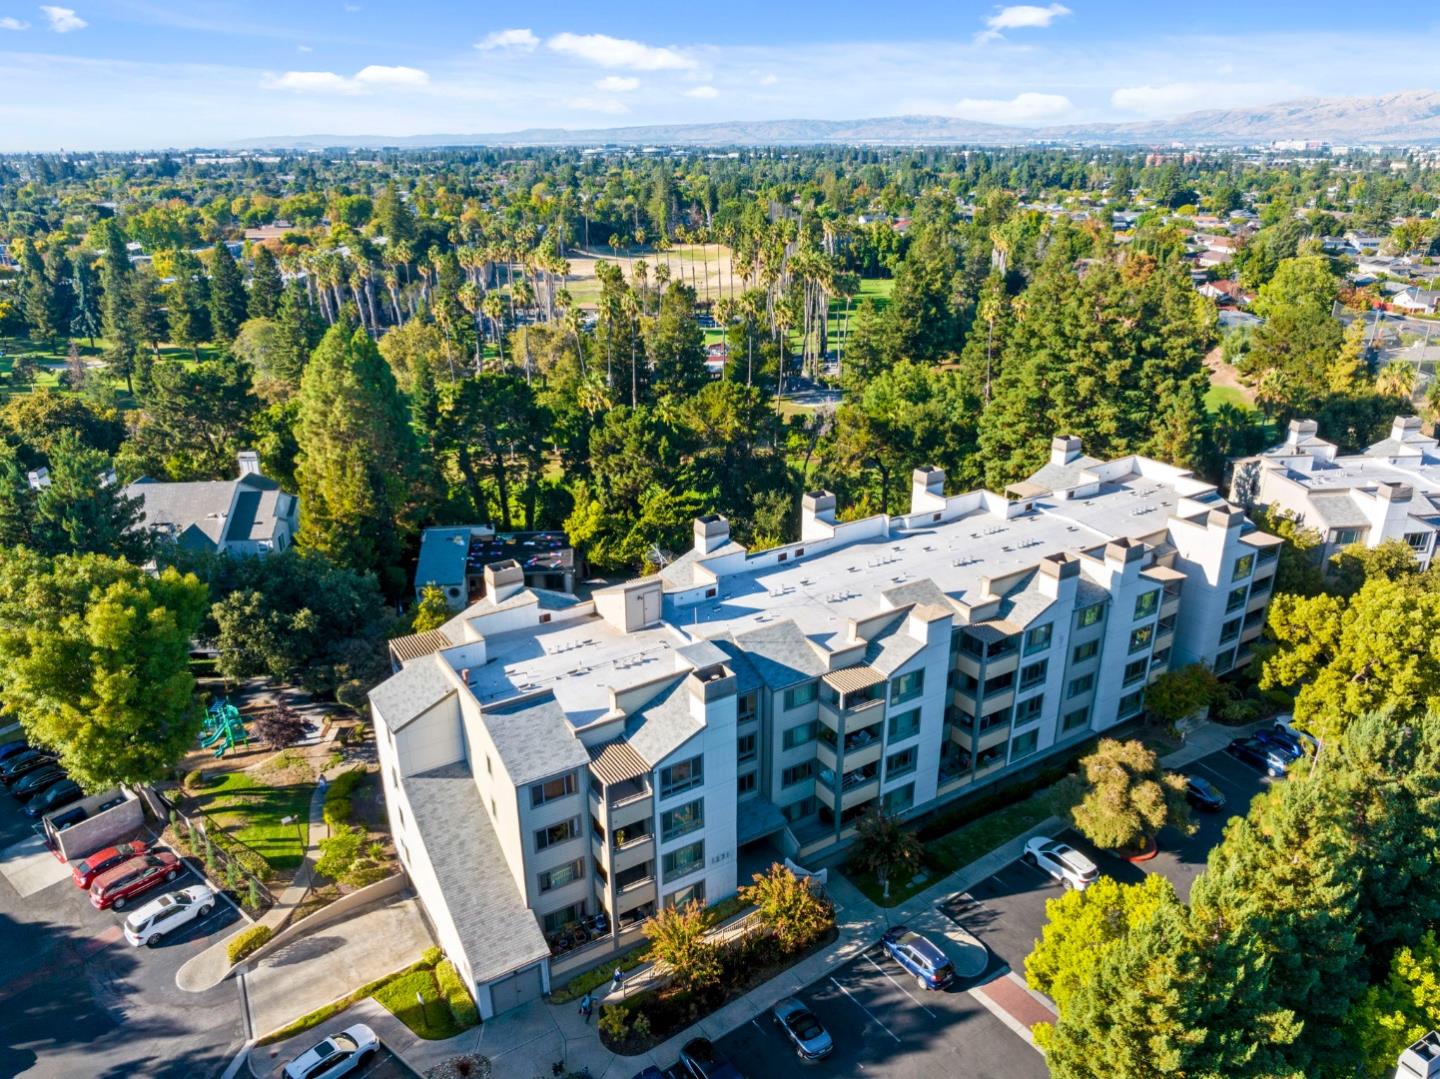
[1203,783]
[924,946]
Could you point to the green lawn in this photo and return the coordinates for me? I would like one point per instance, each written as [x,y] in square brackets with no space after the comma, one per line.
[430,1016]
[250,809]
[1217,395]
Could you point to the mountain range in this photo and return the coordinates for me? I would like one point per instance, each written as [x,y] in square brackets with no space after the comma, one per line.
[1405,118]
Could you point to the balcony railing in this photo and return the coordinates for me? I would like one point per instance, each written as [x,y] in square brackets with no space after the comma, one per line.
[631,790]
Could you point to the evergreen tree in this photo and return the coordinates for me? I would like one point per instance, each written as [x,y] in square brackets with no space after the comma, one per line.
[17,501]
[266,284]
[114,277]
[85,315]
[188,304]
[675,345]
[37,295]
[227,294]
[84,509]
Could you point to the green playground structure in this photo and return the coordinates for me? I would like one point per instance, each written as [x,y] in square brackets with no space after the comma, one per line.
[223,728]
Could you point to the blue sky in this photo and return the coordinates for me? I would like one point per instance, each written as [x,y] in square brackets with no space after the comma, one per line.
[148,73]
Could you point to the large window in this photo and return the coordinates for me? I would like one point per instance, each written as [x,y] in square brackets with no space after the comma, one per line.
[562,875]
[1230,630]
[1034,674]
[1029,709]
[902,763]
[1024,745]
[556,834]
[805,807]
[685,860]
[747,747]
[900,799]
[1085,651]
[551,789]
[1236,600]
[1243,565]
[1073,721]
[1084,684]
[683,897]
[796,696]
[1088,616]
[746,782]
[1147,603]
[1135,671]
[682,776]
[1130,704]
[798,774]
[799,735]
[676,822]
[745,708]
[557,920]
[1141,638]
[1038,639]
[905,725]
[907,687]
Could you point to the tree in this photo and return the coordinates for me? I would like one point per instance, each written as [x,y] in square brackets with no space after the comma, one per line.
[94,661]
[884,847]
[675,345]
[678,939]
[279,725]
[228,301]
[788,907]
[188,304]
[493,427]
[1298,282]
[432,611]
[114,278]
[196,418]
[1127,797]
[1400,1010]
[1179,693]
[85,318]
[266,285]
[84,510]
[348,857]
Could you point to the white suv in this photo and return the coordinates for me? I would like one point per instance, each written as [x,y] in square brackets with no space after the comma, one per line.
[338,1054]
[158,917]
[1061,861]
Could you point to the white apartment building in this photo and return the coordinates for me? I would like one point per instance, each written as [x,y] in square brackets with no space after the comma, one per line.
[1389,492]
[548,759]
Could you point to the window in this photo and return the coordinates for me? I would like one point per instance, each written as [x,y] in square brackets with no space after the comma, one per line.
[1342,537]
[1084,684]
[562,875]
[798,774]
[1135,670]
[1418,541]
[1024,745]
[1243,565]
[1130,704]
[1029,709]
[1085,651]
[683,897]
[676,822]
[1147,604]
[544,618]
[556,834]
[685,860]
[902,763]
[1236,600]
[682,776]
[782,556]
[799,735]
[1230,630]
[805,807]
[1160,659]
[799,551]
[1034,674]
[907,687]
[746,783]
[746,748]
[1088,616]
[971,645]
[745,708]
[551,789]
[796,696]
[1075,720]
[900,799]
[1038,639]
[1141,638]
[557,920]
[905,725]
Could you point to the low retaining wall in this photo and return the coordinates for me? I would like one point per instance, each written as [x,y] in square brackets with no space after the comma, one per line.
[337,911]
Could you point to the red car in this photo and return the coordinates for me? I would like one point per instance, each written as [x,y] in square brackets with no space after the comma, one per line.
[91,866]
[116,887]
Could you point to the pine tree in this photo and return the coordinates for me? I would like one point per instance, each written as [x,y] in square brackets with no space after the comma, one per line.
[114,276]
[85,316]
[188,304]
[266,284]
[227,294]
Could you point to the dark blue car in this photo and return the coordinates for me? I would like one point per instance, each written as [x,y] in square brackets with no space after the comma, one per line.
[920,957]
[1258,755]
[1281,743]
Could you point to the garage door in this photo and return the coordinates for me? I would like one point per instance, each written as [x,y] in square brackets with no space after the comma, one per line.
[516,990]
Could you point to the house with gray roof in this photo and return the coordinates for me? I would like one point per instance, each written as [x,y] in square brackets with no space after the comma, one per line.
[249,515]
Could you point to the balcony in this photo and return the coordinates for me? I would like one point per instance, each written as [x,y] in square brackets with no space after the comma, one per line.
[1257,602]
[997,702]
[997,735]
[853,719]
[1250,633]
[851,796]
[635,877]
[1003,664]
[634,851]
[861,755]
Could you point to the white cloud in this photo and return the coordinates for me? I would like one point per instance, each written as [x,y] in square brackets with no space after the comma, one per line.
[1172,98]
[1020,17]
[328,82]
[521,39]
[617,84]
[9,23]
[705,92]
[63,19]
[1020,108]
[380,75]
[610,51]
[597,104]
[303,48]
[769,79]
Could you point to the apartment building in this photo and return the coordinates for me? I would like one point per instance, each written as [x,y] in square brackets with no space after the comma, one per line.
[1389,492]
[547,759]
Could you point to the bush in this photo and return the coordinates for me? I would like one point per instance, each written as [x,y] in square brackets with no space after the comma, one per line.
[456,995]
[346,857]
[612,1021]
[246,942]
[337,796]
[194,779]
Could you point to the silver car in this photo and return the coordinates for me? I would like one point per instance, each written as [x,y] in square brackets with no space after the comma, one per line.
[339,1054]
[806,1033]
[1062,861]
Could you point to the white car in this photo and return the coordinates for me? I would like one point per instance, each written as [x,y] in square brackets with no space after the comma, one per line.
[1286,722]
[1062,861]
[339,1054]
[149,923]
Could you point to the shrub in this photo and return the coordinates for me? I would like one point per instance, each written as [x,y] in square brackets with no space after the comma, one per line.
[431,957]
[641,1027]
[194,779]
[279,725]
[247,941]
[337,796]
[612,1021]
[346,857]
[787,907]
[456,995]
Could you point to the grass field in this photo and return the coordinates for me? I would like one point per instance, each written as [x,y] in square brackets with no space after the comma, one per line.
[50,360]
[429,1016]
[250,807]
[1217,395]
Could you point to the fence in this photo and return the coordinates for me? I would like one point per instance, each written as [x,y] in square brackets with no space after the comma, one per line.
[225,858]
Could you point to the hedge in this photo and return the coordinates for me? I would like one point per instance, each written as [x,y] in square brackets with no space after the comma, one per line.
[247,941]
[337,796]
[456,995]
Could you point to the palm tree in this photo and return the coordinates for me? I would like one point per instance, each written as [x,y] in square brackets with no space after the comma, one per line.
[494,308]
[1396,379]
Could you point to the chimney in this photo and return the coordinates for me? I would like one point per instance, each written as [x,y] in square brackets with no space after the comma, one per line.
[1064,449]
[927,489]
[817,515]
[711,533]
[1404,426]
[503,580]
[1300,430]
[1059,576]
[1121,552]
[249,463]
[39,479]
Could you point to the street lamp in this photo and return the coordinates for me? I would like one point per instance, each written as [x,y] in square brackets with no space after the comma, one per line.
[299,834]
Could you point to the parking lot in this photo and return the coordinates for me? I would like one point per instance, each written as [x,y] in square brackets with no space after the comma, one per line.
[77,999]
[884,1025]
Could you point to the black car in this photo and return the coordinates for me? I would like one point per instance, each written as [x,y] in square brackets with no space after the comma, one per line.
[65,819]
[703,1061]
[1258,755]
[1280,742]
[9,749]
[36,780]
[23,762]
[60,794]
[1202,794]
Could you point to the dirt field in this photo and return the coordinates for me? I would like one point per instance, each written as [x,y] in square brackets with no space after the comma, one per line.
[706,268]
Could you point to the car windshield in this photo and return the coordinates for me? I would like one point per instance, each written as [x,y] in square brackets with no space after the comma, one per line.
[344,1041]
[806,1025]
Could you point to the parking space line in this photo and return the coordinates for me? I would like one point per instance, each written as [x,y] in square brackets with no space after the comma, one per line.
[864,1009]
[898,986]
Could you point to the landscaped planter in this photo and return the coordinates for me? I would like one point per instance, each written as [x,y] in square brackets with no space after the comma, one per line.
[1149,851]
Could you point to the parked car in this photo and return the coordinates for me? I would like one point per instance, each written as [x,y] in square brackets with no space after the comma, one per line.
[116,887]
[1062,861]
[25,761]
[1258,755]
[1280,742]
[1202,794]
[72,816]
[1286,722]
[921,957]
[53,797]
[91,866]
[36,780]
[9,749]
[702,1060]
[806,1033]
[338,1054]
[160,916]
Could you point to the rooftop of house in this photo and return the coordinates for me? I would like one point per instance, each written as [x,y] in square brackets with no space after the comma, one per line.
[448,554]
[212,513]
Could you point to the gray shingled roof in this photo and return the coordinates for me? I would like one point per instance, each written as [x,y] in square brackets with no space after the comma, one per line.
[663,725]
[415,688]
[195,510]
[915,592]
[1062,477]
[498,932]
[781,654]
[533,738]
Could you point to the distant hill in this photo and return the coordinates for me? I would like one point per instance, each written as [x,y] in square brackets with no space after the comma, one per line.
[1411,116]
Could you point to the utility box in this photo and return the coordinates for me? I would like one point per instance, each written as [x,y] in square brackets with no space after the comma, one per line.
[109,816]
[1421,1060]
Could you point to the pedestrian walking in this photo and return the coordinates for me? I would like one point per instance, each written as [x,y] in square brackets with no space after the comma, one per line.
[587,1005]
[616,979]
